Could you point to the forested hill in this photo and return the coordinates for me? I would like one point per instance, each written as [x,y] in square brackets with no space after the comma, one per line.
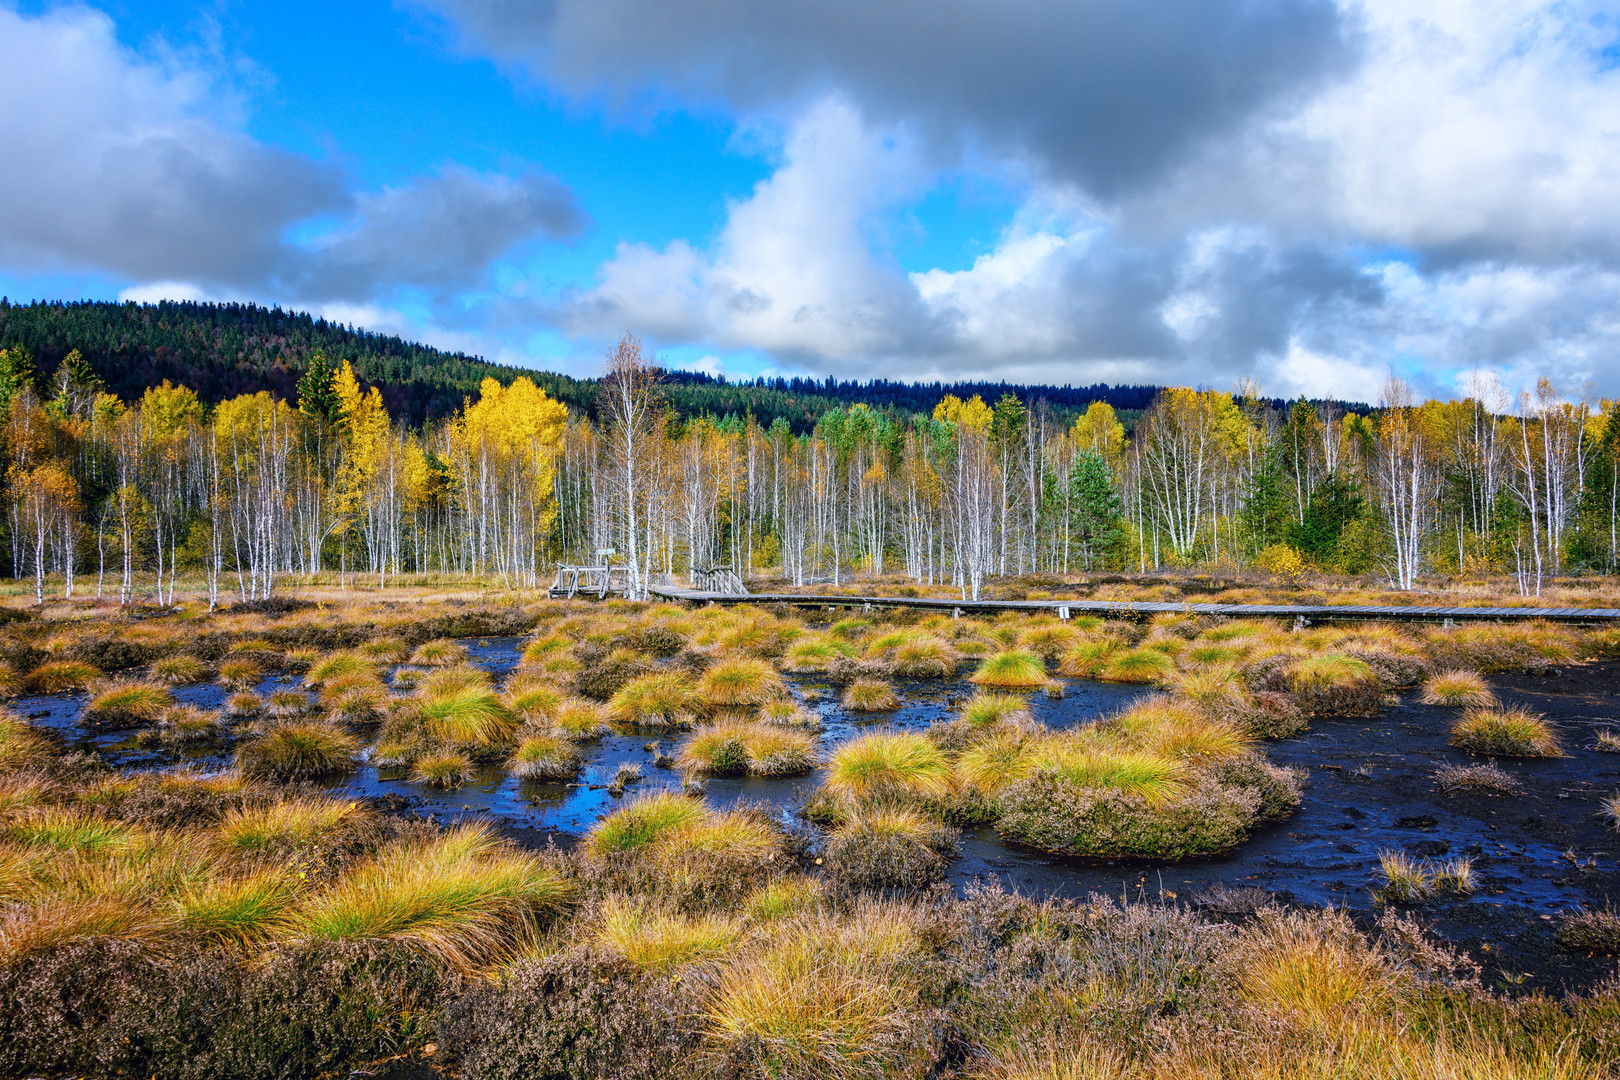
[221,350]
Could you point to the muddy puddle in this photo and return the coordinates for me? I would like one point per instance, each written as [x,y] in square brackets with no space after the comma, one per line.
[1369,789]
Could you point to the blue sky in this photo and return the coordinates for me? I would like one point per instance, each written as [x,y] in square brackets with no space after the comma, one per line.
[1311,194]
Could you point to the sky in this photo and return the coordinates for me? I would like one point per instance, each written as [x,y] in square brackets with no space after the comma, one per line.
[1309,194]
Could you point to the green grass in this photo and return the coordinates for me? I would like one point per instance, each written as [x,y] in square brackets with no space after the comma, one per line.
[663,941]
[1138,666]
[463,898]
[989,766]
[983,709]
[1155,778]
[296,751]
[1087,659]
[1330,671]
[884,763]
[236,910]
[335,665]
[731,748]
[1505,733]
[1012,669]
[20,742]
[66,829]
[282,825]
[643,821]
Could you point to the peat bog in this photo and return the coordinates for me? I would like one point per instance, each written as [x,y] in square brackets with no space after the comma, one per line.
[720,798]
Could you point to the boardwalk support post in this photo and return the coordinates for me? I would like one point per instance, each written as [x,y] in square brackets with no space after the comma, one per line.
[956,613]
[1063,613]
[1300,623]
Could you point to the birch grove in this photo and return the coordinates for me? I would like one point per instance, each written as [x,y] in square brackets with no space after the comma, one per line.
[238,495]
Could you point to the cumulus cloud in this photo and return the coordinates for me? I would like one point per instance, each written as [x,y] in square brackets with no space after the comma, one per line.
[1313,194]
[137,167]
[1110,92]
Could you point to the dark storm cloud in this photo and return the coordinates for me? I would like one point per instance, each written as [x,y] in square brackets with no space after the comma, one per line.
[1107,93]
[438,232]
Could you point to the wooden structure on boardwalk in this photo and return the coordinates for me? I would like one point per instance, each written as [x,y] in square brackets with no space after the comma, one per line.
[722,580]
[1301,614]
[595,581]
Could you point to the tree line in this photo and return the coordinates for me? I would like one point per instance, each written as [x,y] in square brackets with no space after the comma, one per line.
[134,491]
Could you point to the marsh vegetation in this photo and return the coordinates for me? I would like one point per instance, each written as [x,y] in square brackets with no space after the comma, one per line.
[761,881]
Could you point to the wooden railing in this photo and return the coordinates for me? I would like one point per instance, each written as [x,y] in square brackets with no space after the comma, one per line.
[718,579]
[589,580]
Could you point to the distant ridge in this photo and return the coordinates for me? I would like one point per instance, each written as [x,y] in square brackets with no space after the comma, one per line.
[221,350]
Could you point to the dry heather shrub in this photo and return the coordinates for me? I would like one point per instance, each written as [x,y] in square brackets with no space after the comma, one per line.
[1050,811]
[1489,779]
[1333,684]
[602,675]
[1505,733]
[889,848]
[1596,933]
[1467,689]
[580,1012]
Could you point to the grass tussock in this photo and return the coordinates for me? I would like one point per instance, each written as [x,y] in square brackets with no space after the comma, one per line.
[442,769]
[1459,689]
[298,751]
[888,847]
[741,681]
[545,758]
[887,764]
[179,670]
[1013,669]
[128,704]
[1138,666]
[240,674]
[1505,733]
[870,696]
[60,676]
[473,716]
[1408,880]
[664,699]
[440,653]
[983,709]
[734,748]
[662,941]
[463,898]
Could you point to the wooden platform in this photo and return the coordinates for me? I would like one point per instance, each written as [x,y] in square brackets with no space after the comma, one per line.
[1136,609]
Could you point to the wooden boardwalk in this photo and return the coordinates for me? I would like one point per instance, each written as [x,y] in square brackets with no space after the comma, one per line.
[1137,609]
